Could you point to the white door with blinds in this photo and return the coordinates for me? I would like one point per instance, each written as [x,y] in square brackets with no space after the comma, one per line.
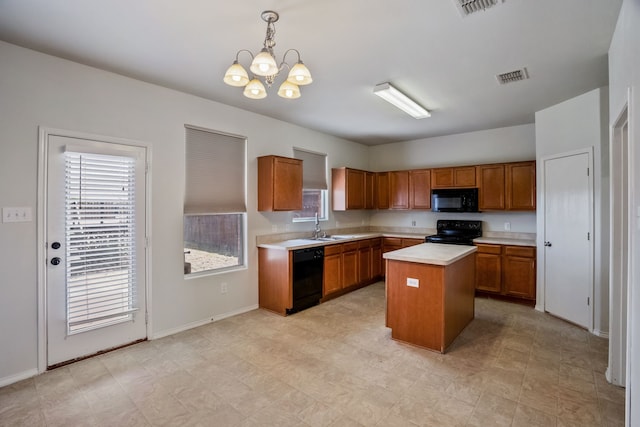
[95,248]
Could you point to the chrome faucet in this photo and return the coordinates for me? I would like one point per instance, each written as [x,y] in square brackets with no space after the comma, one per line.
[316,231]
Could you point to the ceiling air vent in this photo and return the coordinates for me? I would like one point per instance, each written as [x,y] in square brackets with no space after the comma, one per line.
[512,76]
[467,7]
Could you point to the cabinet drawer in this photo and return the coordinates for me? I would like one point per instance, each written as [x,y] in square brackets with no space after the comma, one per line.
[392,241]
[347,247]
[376,242]
[364,243]
[411,242]
[521,251]
[489,249]
[332,250]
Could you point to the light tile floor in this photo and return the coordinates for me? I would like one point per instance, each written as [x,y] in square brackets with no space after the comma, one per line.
[334,365]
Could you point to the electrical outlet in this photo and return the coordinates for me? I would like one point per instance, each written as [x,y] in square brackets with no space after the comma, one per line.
[413,223]
[507,226]
[223,288]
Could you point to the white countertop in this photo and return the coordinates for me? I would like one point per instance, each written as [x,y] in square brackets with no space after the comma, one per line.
[431,253]
[292,244]
[311,243]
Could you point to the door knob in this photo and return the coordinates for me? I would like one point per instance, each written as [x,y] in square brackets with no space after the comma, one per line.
[55,261]
[547,244]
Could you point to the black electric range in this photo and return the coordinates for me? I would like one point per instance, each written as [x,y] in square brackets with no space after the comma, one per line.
[456,232]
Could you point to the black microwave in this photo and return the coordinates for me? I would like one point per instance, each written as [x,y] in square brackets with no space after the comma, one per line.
[454,200]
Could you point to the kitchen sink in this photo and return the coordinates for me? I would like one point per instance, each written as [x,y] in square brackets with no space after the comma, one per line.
[331,238]
[328,238]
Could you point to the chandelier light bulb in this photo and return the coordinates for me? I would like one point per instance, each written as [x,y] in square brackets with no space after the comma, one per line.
[300,75]
[255,90]
[289,90]
[236,75]
[264,64]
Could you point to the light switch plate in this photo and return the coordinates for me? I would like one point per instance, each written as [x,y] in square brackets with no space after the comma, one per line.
[22,214]
[413,283]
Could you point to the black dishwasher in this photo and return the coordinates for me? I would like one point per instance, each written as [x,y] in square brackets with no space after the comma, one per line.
[308,265]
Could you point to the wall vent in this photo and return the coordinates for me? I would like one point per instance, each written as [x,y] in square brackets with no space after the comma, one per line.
[512,76]
[467,7]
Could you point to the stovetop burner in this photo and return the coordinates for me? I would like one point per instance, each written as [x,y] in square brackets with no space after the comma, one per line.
[456,232]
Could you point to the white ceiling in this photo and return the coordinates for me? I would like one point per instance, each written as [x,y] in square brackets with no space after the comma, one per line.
[426,48]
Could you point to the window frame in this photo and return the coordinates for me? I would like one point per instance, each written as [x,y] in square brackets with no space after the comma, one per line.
[324,208]
[314,182]
[243,251]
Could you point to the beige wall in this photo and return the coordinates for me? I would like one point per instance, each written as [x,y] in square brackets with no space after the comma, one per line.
[40,90]
[580,123]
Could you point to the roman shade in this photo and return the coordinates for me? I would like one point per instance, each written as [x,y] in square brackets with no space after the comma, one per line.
[215,172]
[314,169]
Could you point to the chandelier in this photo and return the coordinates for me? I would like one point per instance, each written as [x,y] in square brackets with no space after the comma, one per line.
[264,65]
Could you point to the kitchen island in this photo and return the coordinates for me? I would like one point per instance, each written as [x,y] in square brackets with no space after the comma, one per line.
[430,293]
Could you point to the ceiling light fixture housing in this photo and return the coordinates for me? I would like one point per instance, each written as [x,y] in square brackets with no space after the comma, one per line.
[393,96]
[264,65]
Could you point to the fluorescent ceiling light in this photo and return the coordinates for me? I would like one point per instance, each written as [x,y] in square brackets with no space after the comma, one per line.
[400,100]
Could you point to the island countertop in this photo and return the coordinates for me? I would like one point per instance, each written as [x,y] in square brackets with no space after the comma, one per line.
[431,253]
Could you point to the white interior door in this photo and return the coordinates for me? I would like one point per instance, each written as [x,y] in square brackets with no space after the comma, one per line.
[620,250]
[95,246]
[568,270]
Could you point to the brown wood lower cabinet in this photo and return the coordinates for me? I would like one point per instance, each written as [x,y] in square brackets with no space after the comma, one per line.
[332,279]
[508,271]
[376,258]
[348,266]
[394,243]
[519,272]
[489,268]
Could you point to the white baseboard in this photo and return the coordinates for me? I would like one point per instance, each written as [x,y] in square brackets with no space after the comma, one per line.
[167,332]
[601,334]
[18,377]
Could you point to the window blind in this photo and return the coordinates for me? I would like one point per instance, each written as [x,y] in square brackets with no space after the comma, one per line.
[100,239]
[314,169]
[215,172]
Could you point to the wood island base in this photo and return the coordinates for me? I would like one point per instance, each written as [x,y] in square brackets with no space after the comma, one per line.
[434,313]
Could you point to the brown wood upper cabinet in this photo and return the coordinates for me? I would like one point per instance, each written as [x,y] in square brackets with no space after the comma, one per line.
[491,192]
[420,189]
[382,190]
[348,189]
[520,186]
[507,186]
[279,183]
[369,190]
[399,190]
[455,177]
